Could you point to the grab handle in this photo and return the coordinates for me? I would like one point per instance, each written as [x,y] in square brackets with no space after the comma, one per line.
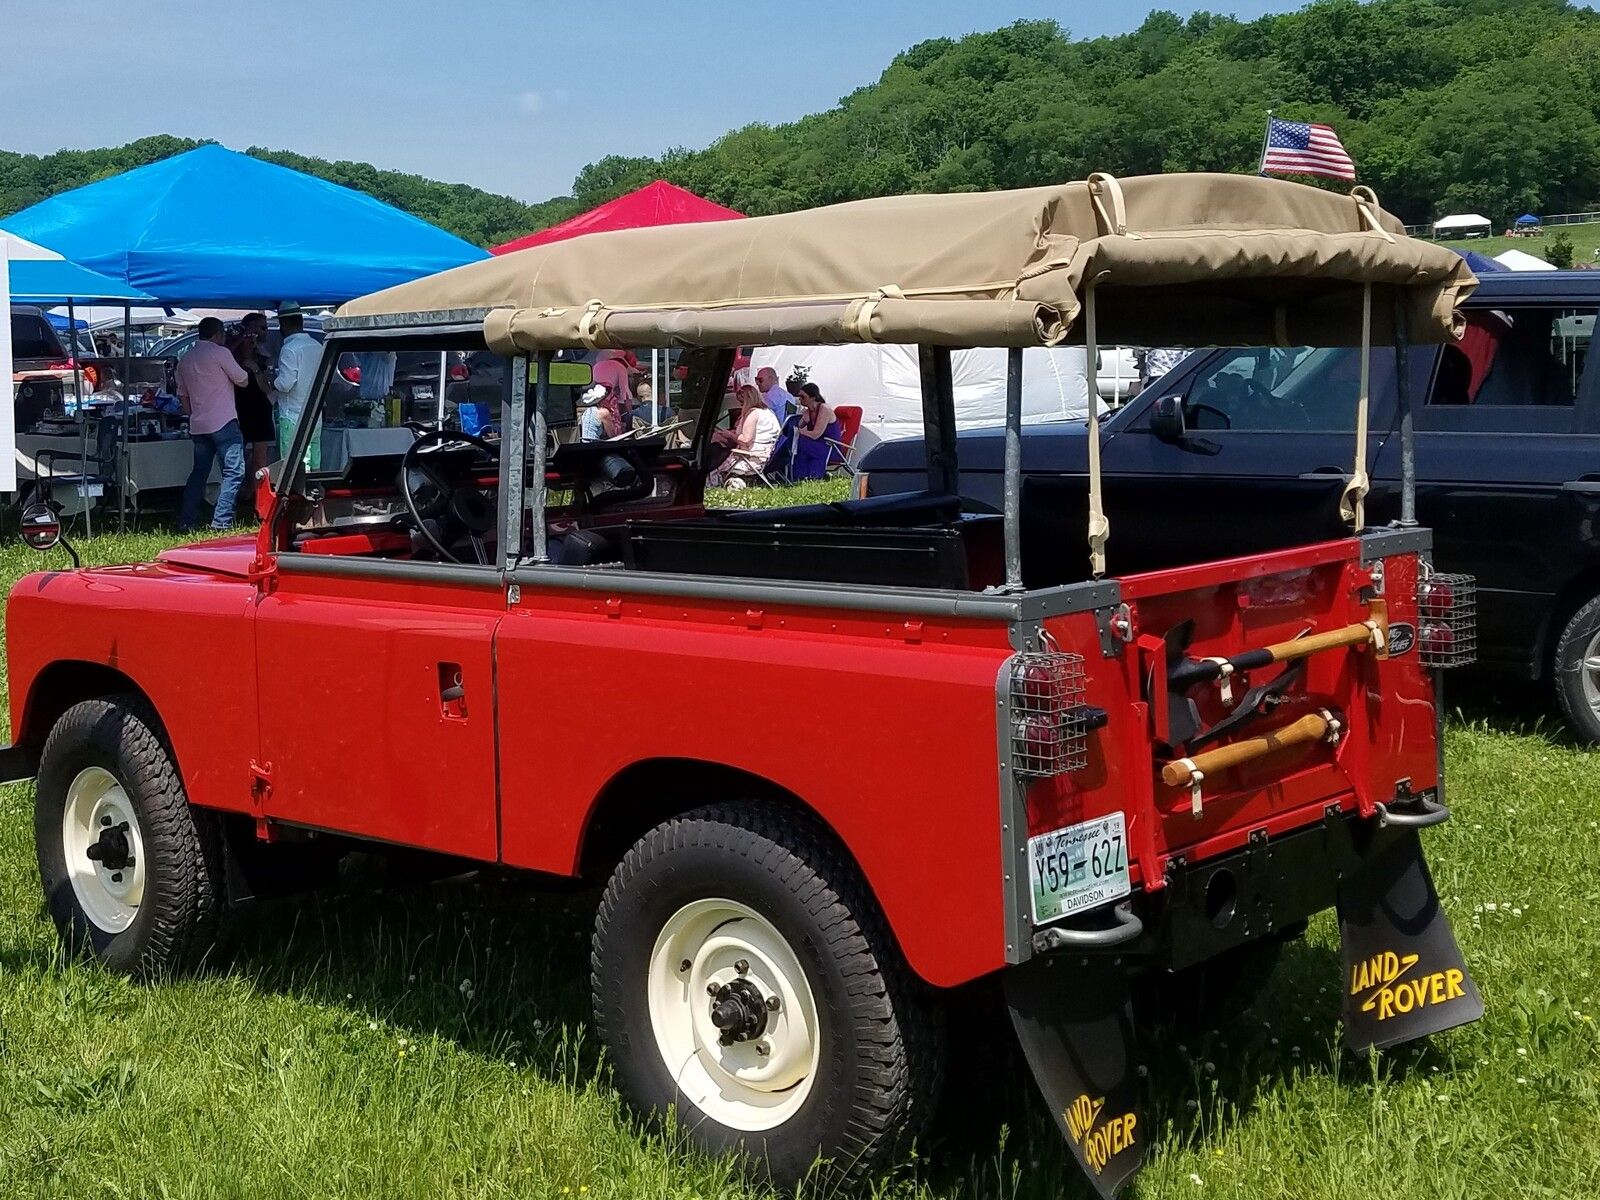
[1429,814]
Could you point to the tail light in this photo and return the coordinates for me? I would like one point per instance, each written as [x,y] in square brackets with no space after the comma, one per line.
[1049,723]
[458,372]
[1447,620]
[351,372]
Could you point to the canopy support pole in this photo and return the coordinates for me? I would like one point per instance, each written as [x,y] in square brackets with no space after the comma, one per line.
[124,459]
[513,454]
[541,446]
[1408,438]
[1099,527]
[939,418]
[1352,505]
[439,399]
[1013,469]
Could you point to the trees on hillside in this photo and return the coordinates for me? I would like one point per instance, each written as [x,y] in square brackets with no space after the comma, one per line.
[1484,105]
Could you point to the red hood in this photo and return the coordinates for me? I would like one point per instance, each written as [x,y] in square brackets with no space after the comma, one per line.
[225,556]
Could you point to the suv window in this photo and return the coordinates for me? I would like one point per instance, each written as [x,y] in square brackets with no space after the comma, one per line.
[1277,389]
[1524,357]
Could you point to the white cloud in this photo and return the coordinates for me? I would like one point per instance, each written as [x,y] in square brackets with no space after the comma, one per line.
[530,102]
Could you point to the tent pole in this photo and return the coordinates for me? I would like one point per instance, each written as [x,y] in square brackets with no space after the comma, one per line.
[1013,469]
[77,391]
[127,414]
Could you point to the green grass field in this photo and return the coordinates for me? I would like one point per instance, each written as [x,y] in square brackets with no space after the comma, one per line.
[423,1041]
[1585,240]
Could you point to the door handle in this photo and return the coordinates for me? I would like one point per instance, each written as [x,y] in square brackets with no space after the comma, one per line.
[1584,487]
[1326,473]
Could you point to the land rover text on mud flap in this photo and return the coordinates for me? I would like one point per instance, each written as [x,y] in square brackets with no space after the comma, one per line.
[1064,785]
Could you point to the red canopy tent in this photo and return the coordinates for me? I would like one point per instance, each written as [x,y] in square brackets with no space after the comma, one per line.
[658,203]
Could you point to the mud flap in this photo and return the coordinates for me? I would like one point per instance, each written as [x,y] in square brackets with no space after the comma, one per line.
[1404,976]
[1074,1017]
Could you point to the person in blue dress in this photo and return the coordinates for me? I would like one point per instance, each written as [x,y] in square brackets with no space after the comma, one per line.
[818,434]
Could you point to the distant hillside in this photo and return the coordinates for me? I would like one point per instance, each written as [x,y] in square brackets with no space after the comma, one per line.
[472,213]
[1488,106]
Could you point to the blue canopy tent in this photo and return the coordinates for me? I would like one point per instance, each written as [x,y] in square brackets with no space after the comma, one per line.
[1527,219]
[1481,264]
[217,228]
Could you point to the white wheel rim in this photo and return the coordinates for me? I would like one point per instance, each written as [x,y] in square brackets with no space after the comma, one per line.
[109,895]
[755,1083]
[1589,673]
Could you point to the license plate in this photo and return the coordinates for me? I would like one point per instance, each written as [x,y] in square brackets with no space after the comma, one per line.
[1080,867]
[422,393]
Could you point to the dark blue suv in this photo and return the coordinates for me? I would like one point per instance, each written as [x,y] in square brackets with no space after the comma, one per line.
[1239,450]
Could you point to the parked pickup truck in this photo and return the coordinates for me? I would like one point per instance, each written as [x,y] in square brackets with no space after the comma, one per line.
[1242,448]
[1066,783]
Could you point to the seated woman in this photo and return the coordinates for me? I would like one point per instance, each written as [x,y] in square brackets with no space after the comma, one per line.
[820,432]
[598,421]
[741,452]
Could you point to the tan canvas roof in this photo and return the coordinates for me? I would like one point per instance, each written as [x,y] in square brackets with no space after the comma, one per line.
[1174,260]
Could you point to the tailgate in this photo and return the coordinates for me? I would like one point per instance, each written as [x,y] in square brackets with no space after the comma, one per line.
[1349,726]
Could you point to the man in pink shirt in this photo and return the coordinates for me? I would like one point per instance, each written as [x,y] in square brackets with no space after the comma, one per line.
[206,379]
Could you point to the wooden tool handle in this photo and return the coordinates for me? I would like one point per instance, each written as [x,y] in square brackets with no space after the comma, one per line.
[1350,635]
[1312,727]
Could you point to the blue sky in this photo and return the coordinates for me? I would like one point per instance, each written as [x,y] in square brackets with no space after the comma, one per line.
[510,96]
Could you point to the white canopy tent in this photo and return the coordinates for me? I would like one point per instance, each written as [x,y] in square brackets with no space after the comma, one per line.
[1461,223]
[885,382]
[1521,260]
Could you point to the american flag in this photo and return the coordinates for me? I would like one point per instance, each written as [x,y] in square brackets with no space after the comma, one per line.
[1296,148]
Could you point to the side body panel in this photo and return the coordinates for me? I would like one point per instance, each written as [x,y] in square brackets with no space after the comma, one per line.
[184,637]
[884,726]
[361,731]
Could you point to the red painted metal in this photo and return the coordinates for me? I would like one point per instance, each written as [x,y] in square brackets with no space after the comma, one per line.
[331,701]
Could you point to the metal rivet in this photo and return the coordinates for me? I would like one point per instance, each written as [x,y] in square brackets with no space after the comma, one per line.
[763,1049]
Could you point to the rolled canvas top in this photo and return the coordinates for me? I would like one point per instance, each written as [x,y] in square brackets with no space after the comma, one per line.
[1183,260]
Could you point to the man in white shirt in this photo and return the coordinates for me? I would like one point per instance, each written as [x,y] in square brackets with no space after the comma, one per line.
[296,371]
[775,394]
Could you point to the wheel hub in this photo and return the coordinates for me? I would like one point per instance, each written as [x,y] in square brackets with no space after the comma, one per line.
[739,1010]
[111,850]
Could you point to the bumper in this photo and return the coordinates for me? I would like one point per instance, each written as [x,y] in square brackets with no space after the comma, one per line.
[18,763]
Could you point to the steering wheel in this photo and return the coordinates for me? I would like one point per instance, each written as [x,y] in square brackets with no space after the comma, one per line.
[467,506]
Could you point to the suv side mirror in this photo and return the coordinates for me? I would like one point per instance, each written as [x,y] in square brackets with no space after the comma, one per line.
[1167,420]
[41,529]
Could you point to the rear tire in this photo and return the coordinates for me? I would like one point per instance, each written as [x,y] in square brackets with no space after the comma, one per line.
[131,874]
[1576,667]
[747,914]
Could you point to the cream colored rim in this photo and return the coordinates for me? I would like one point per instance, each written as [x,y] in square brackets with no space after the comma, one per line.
[109,886]
[710,949]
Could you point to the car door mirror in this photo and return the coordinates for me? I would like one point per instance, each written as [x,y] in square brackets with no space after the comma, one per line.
[41,529]
[1167,419]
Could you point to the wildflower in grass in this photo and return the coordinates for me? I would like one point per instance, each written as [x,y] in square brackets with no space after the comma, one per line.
[1491,907]
[1522,1079]
[1195,1179]
[1516,912]
[1522,1052]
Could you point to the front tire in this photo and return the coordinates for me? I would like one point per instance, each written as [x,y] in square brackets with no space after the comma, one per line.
[1577,672]
[742,973]
[131,874]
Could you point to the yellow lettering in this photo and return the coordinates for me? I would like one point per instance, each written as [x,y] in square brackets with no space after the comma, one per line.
[1452,983]
[1385,1004]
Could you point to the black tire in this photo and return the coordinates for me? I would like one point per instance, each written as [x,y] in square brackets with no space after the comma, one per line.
[1567,670]
[880,1064]
[176,920]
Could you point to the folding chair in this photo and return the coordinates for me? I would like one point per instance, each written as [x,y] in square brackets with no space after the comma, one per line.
[840,450]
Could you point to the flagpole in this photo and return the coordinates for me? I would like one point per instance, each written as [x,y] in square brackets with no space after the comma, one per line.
[1266,140]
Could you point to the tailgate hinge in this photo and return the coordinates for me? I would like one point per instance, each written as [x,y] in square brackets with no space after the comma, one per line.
[260,792]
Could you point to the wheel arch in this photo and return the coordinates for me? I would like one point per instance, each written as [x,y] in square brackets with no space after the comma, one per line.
[647,793]
[1574,594]
[63,683]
